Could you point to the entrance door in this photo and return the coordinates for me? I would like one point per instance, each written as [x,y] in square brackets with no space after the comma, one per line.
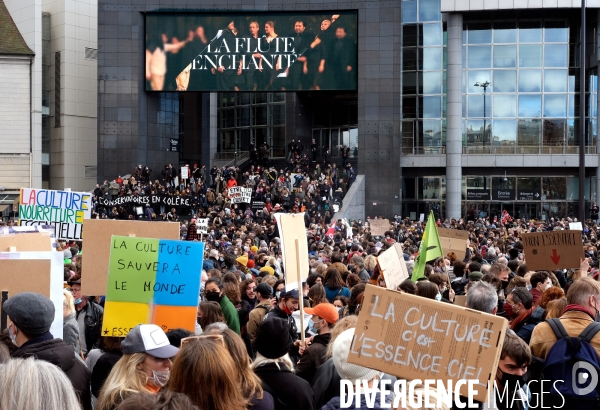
[496,209]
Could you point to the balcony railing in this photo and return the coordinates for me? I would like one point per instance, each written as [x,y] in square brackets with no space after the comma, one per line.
[500,150]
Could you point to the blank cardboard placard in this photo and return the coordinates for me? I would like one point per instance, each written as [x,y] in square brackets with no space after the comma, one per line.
[152,276]
[553,250]
[379,226]
[460,300]
[98,233]
[40,272]
[454,240]
[575,226]
[417,338]
[291,228]
[392,263]
[26,242]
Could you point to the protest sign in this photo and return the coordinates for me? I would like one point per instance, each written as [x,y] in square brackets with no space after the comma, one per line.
[292,231]
[65,210]
[379,226]
[29,242]
[153,280]
[417,338]
[40,272]
[453,240]
[202,226]
[460,300]
[185,171]
[240,195]
[553,250]
[97,249]
[392,263]
[422,217]
[575,226]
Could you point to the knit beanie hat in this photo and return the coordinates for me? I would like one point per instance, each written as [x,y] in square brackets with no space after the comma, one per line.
[267,269]
[273,339]
[243,260]
[348,371]
[254,249]
[249,264]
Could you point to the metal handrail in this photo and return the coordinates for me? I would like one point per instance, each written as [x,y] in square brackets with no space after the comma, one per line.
[503,150]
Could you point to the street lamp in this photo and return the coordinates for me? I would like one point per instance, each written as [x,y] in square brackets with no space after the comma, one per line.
[484,86]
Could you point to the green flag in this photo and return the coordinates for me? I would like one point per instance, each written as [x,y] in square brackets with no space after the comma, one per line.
[429,250]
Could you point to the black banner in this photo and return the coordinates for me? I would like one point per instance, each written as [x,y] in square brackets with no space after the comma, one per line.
[529,195]
[478,194]
[153,200]
[503,194]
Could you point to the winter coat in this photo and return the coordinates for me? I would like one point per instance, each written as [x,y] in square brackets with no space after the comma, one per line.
[335,403]
[231,314]
[289,391]
[57,352]
[525,328]
[71,333]
[313,357]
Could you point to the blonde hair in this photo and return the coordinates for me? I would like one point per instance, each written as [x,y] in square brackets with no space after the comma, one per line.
[580,291]
[68,301]
[35,384]
[344,324]
[370,262]
[124,379]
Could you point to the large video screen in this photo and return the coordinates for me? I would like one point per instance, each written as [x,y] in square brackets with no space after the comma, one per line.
[251,52]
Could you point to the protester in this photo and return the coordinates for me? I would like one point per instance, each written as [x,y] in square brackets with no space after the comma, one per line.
[263,305]
[213,292]
[144,367]
[88,315]
[30,316]
[286,305]
[209,313]
[70,327]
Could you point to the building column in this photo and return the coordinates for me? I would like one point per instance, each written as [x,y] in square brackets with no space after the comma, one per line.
[598,115]
[212,145]
[454,116]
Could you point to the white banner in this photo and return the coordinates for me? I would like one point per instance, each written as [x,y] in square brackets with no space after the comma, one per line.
[240,195]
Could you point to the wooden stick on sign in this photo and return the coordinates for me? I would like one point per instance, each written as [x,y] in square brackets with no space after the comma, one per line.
[300,292]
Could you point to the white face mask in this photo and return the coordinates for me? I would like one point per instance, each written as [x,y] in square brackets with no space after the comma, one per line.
[548,286]
[159,378]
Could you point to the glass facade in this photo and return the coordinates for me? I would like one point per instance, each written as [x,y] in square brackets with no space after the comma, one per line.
[246,117]
[46,100]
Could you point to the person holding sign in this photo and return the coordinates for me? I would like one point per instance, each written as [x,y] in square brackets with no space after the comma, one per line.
[144,367]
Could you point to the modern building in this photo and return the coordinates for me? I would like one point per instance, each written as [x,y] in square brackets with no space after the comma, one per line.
[62,133]
[463,107]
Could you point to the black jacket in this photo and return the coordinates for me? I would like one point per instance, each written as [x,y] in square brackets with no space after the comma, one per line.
[102,369]
[277,312]
[313,357]
[93,323]
[326,383]
[288,390]
[57,352]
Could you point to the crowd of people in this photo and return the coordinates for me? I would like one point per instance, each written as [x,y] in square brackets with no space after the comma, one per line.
[298,187]
[246,351]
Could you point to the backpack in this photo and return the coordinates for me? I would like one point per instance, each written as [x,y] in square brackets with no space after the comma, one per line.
[571,359]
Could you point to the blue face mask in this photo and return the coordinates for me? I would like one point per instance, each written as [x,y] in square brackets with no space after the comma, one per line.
[78,301]
[311,326]
[438,297]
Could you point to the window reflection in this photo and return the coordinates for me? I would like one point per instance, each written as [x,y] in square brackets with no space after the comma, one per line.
[554,133]
[530,105]
[432,133]
[556,32]
[555,80]
[432,34]
[409,11]
[505,33]
[530,32]
[429,188]
[554,188]
[479,33]
[530,55]
[505,105]
[504,81]
[432,58]
[429,10]
[505,56]
[530,81]
[477,77]
[475,108]
[529,132]
[504,132]
[432,107]
[555,105]
[480,57]
[432,82]
[556,55]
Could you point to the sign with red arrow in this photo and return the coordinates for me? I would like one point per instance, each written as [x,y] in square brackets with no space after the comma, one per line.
[553,250]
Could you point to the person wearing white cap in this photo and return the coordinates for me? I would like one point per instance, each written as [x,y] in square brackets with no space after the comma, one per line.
[144,367]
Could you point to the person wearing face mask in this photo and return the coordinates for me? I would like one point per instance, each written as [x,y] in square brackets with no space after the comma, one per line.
[511,390]
[88,315]
[29,317]
[213,292]
[286,305]
[523,315]
[144,367]
[540,281]
[324,317]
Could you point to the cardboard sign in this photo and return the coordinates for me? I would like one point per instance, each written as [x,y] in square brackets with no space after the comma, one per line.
[65,210]
[553,250]
[379,226]
[202,226]
[453,240]
[417,338]
[292,229]
[97,247]
[575,226]
[29,242]
[460,300]
[153,280]
[40,272]
[422,217]
[240,195]
[392,263]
